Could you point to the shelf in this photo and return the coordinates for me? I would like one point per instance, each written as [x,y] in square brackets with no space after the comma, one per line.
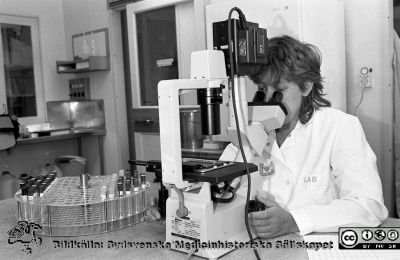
[93,63]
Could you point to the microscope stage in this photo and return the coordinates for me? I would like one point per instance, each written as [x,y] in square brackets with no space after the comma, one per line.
[197,170]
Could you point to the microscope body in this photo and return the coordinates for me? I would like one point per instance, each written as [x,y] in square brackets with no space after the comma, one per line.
[193,219]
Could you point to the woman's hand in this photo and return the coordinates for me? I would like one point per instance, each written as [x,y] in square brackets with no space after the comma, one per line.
[273,221]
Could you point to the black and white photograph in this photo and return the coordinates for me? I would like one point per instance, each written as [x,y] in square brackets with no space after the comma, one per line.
[200,129]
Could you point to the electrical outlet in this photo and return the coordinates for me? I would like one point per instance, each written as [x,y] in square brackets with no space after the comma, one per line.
[366,77]
[79,89]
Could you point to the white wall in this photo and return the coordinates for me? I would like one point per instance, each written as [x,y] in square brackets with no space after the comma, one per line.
[87,15]
[369,43]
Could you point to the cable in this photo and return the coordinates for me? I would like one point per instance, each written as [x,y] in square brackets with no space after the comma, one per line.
[361,100]
[242,22]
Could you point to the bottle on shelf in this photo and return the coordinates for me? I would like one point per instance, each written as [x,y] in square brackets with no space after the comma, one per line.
[85,48]
[92,45]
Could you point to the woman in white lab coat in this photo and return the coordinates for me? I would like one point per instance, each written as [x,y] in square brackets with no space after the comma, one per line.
[324,172]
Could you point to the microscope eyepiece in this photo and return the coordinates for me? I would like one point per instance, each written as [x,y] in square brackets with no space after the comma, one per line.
[276,100]
[259,96]
[276,97]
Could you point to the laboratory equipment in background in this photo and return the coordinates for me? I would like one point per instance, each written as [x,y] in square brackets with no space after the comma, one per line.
[71,165]
[81,205]
[79,89]
[66,116]
[190,127]
[78,115]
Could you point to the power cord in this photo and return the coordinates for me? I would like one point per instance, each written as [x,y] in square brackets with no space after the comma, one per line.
[243,25]
[362,97]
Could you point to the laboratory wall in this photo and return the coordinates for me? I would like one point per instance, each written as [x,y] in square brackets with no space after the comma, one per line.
[26,158]
[369,44]
[87,15]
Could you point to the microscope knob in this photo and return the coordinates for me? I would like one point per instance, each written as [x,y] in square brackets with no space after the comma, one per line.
[255,205]
[182,212]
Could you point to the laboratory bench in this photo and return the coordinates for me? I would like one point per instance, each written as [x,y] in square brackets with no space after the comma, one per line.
[64,135]
[142,232]
[70,134]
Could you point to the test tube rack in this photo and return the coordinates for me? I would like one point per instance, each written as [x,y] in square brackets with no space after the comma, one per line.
[66,209]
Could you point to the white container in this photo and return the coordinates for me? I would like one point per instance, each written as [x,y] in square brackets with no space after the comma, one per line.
[8,185]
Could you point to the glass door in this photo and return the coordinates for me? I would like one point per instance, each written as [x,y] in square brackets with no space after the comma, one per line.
[157,51]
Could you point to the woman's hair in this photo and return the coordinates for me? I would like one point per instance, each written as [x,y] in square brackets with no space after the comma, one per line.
[297,62]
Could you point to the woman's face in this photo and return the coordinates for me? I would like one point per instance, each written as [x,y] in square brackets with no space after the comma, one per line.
[292,96]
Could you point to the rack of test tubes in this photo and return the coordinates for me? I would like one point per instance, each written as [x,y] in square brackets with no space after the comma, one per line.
[82,205]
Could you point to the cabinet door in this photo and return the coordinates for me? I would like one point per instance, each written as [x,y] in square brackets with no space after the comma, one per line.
[20,69]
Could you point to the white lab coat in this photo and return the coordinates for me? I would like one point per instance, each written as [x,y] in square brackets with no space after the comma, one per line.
[325,174]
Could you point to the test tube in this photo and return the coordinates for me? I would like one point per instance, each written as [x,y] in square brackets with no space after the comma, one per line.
[38,182]
[144,186]
[24,196]
[128,198]
[127,173]
[103,192]
[136,180]
[31,201]
[31,192]
[44,186]
[111,195]
[48,181]
[143,180]
[40,190]
[120,187]
[43,208]
[52,176]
